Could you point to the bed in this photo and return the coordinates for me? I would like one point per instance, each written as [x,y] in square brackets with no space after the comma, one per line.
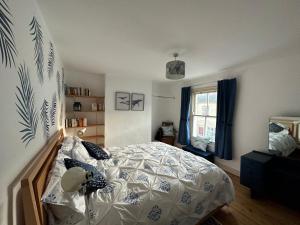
[151,183]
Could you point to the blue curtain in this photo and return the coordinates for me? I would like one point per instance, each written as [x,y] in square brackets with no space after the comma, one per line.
[184,125]
[225,110]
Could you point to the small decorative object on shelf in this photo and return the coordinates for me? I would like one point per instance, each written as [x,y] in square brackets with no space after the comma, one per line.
[100,107]
[76,106]
[76,122]
[94,106]
[84,122]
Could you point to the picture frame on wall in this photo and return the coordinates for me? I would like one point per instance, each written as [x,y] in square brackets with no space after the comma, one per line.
[122,101]
[137,102]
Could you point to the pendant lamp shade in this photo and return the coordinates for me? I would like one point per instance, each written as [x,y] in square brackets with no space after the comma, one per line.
[175,69]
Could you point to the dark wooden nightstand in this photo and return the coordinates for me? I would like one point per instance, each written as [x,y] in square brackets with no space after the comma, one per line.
[254,168]
[168,140]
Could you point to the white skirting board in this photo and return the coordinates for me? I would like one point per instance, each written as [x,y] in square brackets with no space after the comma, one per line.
[228,169]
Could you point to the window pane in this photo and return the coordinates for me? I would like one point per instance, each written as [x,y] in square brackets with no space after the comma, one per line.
[201,104]
[212,104]
[198,126]
[210,128]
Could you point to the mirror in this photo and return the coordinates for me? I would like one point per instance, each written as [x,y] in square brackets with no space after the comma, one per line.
[284,135]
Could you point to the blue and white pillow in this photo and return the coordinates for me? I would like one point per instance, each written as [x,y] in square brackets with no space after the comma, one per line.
[200,143]
[95,151]
[168,130]
[97,182]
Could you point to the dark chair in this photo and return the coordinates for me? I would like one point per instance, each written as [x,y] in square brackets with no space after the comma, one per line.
[196,151]
[170,140]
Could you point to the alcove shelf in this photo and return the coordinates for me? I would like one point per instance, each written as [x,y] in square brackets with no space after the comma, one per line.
[95,128]
[83,96]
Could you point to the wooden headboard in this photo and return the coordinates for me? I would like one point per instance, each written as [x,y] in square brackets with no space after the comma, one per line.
[34,182]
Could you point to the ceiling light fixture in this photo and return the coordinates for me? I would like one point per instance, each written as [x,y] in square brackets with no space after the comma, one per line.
[175,69]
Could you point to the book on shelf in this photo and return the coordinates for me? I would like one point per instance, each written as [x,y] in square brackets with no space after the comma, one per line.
[75,122]
[77,91]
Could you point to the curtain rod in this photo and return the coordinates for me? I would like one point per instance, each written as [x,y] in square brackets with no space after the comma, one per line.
[203,83]
[211,82]
[160,96]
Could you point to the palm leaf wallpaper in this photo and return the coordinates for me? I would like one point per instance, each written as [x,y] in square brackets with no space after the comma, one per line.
[7,38]
[51,60]
[45,118]
[26,106]
[58,81]
[53,110]
[37,34]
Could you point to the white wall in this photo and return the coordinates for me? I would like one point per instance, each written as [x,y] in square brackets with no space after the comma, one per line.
[14,154]
[165,109]
[266,86]
[127,127]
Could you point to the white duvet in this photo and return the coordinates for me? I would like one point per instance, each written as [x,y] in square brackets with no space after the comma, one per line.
[156,183]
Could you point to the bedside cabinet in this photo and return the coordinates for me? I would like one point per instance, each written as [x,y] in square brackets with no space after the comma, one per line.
[168,140]
[254,170]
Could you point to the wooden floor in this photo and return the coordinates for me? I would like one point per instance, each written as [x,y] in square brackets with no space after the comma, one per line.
[247,211]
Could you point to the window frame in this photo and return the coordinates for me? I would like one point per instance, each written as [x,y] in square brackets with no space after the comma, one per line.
[196,91]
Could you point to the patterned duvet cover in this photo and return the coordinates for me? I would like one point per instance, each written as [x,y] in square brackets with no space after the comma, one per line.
[156,183]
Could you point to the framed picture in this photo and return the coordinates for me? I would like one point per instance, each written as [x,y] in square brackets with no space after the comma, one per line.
[137,102]
[122,101]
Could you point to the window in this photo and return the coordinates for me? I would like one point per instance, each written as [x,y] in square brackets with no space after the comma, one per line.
[204,112]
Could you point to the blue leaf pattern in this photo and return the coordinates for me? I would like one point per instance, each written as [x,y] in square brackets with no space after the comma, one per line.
[7,37]
[186,198]
[123,175]
[208,187]
[26,106]
[45,118]
[142,177]
[165,186]
[37,34]
[51,59]
[199,208]
[53,110]
[155,213]
[132,198]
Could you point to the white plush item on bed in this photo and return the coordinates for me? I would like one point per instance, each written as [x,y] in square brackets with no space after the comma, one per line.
[80,153]
[67,146]
[157,184]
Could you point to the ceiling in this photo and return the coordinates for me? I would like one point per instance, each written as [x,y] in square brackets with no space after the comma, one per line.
[137,37]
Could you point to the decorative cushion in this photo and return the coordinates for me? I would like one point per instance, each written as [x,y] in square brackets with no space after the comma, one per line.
[97,182]
[80,153]
[200,142]
[276,127]
[168,130]
[95,151]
